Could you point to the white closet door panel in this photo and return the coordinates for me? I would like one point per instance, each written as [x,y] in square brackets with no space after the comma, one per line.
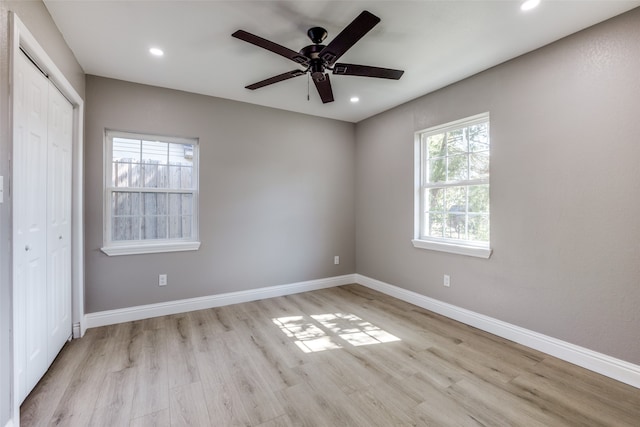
[37,359]
[59,222]
[30,236]
[19,135]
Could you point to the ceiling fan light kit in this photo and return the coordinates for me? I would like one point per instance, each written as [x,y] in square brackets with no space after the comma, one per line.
[318,58]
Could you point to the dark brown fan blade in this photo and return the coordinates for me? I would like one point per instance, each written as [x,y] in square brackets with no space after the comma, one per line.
[275,79]
[324,88]
[367,71]
[271,46]
[349,36]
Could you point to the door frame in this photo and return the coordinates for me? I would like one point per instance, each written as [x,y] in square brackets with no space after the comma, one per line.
[21,37]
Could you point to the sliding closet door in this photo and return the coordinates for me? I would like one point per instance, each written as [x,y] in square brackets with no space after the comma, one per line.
[29,222]
[58,222]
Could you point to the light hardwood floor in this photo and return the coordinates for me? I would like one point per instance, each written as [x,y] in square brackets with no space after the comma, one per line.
[345,356]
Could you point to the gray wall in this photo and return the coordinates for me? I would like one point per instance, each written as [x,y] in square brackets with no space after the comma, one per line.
[276,196]
[565,210]
[36,17]
[278,191]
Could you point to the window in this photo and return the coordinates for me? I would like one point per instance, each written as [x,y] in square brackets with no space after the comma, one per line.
[452,191]
[151,194]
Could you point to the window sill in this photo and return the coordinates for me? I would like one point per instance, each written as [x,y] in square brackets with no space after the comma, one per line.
[452,248]
[150,248]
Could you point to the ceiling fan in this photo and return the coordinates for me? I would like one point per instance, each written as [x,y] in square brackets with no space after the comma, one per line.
[318,58]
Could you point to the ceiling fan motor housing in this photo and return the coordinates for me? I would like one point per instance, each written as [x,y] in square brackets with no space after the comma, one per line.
[316,64]
[312,51]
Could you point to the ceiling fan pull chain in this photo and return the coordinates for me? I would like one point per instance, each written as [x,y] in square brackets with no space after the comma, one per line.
[308,83]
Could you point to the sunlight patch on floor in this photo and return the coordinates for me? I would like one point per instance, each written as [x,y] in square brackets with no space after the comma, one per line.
[331,331]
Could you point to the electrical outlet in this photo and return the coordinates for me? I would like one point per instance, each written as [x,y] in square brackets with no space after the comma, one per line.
[162,280]
[336,260]
[447,281]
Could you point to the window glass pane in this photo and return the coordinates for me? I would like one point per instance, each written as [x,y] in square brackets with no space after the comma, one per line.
[181,154]
[479,228]
[187,220]
[154,227]
[436,224]
[187,204]
[154,175]
[125,203]
[456,199]
[478,137]
[436,199]
[457,168]
[180,215]
[175,227]
[479,165]
[125,173]
[125,149]
[437,170]
[154,203]
[435,146]
[175,204]
[180,176]
[163,204]
[119,174]
[125,228]
[187,177]
[479,198]
[155,151]
[455,227]
[456,142]
[155,216]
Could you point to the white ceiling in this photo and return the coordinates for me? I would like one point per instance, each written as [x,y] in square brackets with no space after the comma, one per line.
[435,42]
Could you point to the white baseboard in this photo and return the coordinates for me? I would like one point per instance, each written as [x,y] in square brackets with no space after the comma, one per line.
[129,314]
[9,423]
[77,330]
[611,367]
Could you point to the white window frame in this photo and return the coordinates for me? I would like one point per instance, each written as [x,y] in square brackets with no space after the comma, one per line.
[133,247]
[455,246]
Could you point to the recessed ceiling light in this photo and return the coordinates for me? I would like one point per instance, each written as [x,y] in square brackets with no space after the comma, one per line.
[354,99]
[156,52]
[529,4]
